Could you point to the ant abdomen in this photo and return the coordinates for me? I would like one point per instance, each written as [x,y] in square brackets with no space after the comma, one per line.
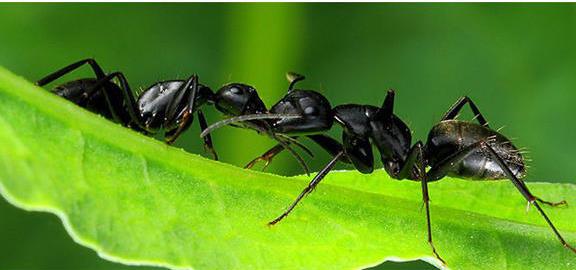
[450,136]
[167,105]
[76,92]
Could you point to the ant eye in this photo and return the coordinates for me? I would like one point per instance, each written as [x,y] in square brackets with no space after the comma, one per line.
[311,110]
[235,90]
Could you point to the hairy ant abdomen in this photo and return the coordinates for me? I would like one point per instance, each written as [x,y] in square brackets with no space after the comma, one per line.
[449,136]
[95,102]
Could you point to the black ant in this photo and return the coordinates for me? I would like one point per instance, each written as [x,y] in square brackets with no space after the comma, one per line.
[298,113]
[167,105]
[455,148]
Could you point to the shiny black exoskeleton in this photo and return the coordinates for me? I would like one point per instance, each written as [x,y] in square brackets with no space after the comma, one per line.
[456,148]
[164,106]
[298,113]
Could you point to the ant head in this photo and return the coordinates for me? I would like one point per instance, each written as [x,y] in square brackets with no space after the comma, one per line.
[238,99]
[314,109]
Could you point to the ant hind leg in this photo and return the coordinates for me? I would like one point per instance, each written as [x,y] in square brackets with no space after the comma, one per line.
[457,107]
[67,69]
[553,204]
[446,165]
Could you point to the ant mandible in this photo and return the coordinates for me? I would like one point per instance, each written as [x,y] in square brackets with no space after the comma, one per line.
[454,148]
[298,113]
[166,105]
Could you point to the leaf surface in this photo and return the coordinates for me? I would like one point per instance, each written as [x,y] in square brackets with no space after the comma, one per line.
[136,200]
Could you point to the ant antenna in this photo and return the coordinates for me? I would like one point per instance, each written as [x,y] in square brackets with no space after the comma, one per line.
[293,78]
[247,117]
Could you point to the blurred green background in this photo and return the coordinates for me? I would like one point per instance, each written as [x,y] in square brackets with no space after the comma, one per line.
[517,62]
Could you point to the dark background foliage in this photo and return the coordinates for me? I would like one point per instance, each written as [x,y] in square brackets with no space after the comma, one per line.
[517,61]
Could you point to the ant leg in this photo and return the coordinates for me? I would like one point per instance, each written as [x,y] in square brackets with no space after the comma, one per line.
[208,139]
[426,199]
[171,136]
[172,109]
[413,160]
[67,69]
[435,173]
[331,146]
[457,107]
[266,157]
[414,156]
[286,146]
[521,186]
[112,106]
[359,151]
[315,181]
[295,141]
[444,166]
[553,204]
[271,153]
[129,100]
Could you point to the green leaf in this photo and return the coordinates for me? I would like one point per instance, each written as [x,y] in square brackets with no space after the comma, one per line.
[136,200]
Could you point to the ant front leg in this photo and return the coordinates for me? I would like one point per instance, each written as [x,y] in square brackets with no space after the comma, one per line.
[331,146]
[208,146]
[311,186]
[266,157]
[286,145]
[457,107]
[270,154]
[67,69]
